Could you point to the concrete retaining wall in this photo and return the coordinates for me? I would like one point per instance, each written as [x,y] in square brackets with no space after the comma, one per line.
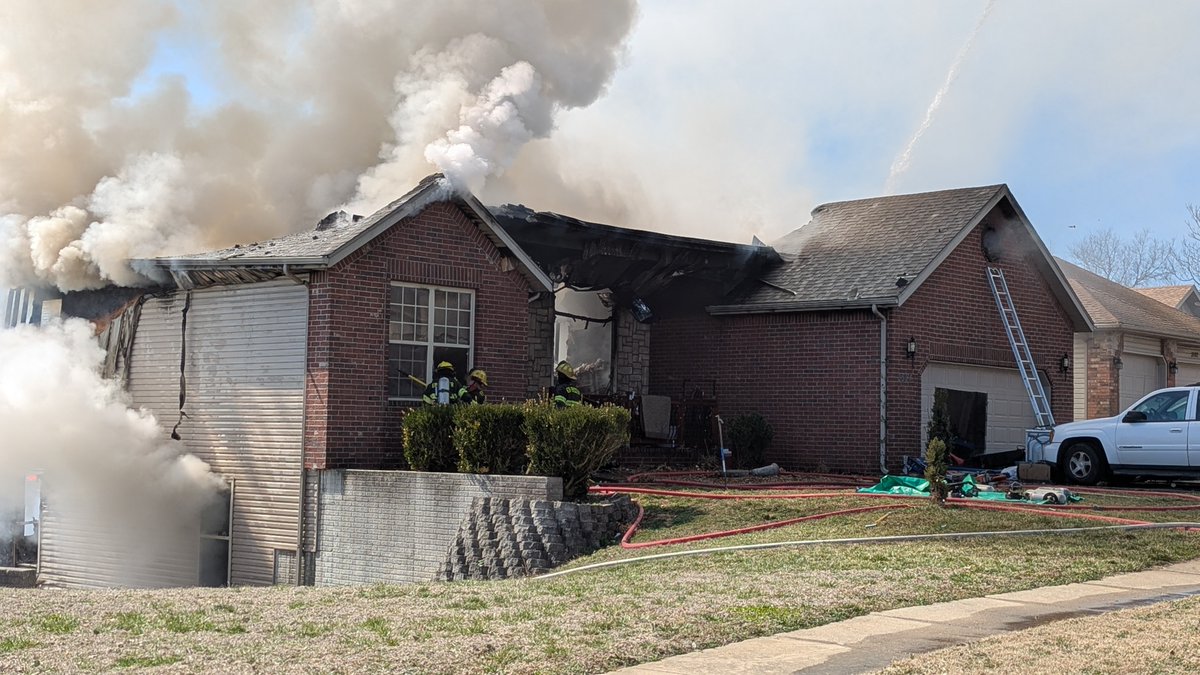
[396,526]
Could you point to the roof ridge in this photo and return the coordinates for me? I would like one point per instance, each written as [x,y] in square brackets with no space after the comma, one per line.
[824,205]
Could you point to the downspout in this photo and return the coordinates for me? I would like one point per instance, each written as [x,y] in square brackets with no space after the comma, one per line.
[882,387]
[303,437]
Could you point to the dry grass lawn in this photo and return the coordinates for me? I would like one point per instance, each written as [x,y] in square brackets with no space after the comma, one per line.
[1162,638]
[589,622]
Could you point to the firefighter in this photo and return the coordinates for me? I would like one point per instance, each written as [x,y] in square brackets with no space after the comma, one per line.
[476,383]
[566,394]
[445,388]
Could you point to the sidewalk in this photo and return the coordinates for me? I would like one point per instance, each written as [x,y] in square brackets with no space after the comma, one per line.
[876,640]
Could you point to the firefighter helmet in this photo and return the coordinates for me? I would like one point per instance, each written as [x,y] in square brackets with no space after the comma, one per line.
[565,370]
[445,365]
[480,375]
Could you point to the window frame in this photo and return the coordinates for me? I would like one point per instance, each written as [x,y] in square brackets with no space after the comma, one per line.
[430,344]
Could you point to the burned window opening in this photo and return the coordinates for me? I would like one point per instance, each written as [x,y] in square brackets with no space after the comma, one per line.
[585,336]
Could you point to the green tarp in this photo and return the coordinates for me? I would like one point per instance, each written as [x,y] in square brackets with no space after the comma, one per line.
[913,486]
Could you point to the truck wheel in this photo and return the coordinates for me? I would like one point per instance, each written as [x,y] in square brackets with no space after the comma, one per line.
[1083,464]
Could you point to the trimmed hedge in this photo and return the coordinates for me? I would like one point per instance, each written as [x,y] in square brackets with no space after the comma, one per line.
[429,438]
[534,438]
[490,438]
[573,442]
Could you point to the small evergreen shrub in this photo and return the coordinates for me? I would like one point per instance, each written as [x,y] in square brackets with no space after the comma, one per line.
[429,438]
[935,471]
[490,438]
[573,442]
[749,437]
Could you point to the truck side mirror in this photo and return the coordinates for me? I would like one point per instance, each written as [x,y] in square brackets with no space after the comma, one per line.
[1134,416]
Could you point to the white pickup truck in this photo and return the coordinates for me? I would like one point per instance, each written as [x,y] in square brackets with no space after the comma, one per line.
[1158,436]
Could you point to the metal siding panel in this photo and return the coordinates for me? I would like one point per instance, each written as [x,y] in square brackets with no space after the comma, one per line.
[246,349]
[77,551]
[1147,346]
[245,403]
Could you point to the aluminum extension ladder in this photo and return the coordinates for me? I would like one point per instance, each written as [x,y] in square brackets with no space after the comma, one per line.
[1020,348]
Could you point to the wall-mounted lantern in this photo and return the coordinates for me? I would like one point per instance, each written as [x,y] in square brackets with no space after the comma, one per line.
[1064,363]
[910,349]
[1117,362]
[1173,367]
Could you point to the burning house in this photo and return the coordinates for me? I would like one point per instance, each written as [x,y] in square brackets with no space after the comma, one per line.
[279,360]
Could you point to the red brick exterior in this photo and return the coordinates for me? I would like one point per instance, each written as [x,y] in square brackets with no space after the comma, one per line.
[350,423]
[815,376]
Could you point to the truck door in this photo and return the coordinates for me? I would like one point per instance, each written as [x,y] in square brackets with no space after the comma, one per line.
[1159,435]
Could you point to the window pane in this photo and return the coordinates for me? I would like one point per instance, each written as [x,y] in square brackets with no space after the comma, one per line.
[410,359]
[439,317]
[439,299]
[456,355]
[394,330]
[397,295]
[464,319]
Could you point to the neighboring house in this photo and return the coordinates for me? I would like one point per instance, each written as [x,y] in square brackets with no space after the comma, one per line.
[880,303]
[1140,344]
[1182,298]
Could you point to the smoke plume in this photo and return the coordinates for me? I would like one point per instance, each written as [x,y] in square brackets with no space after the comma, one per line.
[293,108]
[97,456]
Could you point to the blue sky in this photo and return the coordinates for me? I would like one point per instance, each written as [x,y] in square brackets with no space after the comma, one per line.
[1085,108]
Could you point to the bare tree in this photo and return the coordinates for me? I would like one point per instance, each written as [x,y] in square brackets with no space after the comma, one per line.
[1187,257]
[1137,261]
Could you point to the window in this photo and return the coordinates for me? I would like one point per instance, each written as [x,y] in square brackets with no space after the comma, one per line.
[1169,406]
[427,325]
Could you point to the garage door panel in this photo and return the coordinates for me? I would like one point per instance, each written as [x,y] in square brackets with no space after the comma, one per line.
[1009,412]
[1188,373]
[1140,374]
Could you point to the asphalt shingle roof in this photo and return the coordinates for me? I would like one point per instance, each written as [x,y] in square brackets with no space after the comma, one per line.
[1167,295]
[1112,305]
[310,243]
[859,249]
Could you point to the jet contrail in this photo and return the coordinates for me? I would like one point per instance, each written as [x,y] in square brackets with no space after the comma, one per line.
[905,159]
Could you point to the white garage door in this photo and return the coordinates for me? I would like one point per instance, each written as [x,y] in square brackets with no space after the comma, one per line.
[1009,412]
[1140,375]
[1188,373]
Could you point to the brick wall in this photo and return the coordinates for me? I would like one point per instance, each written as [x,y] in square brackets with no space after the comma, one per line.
[954,318]
[1104,380]
[632,372]
[815,376]
[397,526]
[350,421]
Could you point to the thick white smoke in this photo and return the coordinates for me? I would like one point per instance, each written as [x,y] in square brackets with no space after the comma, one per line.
[301,106]
[59,416]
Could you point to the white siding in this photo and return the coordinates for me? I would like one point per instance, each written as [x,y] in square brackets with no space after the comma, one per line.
[1079,375]
[245,365]
[1009,412]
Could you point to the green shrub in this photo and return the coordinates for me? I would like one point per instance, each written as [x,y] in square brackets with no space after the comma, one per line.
[749,437]
[935,470]
[429,438]
[490,438]
[573,442]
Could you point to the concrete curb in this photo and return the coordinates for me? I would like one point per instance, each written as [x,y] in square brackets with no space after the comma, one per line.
[875,640]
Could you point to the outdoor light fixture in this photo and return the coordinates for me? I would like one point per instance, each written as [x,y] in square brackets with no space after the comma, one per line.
[910,350]
[1117,362]
[1173,367]
[1064,364]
